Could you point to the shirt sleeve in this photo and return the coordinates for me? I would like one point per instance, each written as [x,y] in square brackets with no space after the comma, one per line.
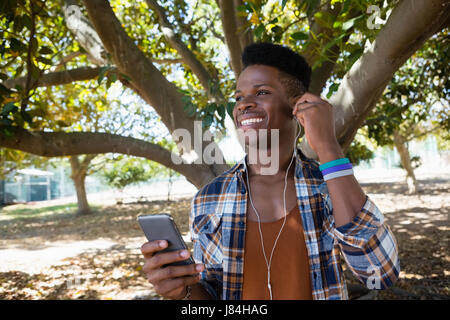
[368,246]
[208,277]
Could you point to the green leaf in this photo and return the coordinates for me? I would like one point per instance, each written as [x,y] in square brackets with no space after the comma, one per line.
[324,19]
[27,22]
[9,107]
[259,31]
[16,46]
[44,60]
[102,74]
[276,29]
[189,109]
[300,36]
[35,72]
[18,71]
[311,6]
[26,116]
[207,121]
[230,107]
[283,4]
[45,50]
[337,24]
[211,108]
[113,77]
[333,88]
[221,111]
[350,23]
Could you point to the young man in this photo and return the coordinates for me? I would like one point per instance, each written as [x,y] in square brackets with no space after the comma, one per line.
[279,236]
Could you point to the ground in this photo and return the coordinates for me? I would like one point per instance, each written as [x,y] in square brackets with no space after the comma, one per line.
[47,252]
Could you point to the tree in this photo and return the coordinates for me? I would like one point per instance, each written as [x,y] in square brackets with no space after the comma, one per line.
[142,43]
[126,171]
[415,103]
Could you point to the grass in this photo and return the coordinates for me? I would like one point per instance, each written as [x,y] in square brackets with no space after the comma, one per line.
[25,211]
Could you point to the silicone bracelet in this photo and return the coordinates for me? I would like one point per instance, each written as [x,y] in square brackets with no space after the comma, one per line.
[341,167]
[333,163]
[338,174]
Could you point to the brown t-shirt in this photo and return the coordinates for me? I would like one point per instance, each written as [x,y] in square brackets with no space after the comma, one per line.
[290,273]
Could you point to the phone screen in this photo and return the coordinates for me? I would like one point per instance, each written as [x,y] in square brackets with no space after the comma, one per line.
[163,227]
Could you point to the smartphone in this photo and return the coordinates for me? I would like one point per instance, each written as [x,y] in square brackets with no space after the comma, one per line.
[163,227]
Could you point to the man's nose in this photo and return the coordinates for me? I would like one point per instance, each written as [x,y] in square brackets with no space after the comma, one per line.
[245,104]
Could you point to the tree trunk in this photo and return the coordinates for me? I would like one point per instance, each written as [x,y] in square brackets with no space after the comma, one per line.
[400,145]
[83,205]
[78,177]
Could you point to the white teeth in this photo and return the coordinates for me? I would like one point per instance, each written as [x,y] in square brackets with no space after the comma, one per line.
[250,121]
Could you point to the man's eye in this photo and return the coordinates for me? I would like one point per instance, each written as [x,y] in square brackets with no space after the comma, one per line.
[262,92]
[238,99]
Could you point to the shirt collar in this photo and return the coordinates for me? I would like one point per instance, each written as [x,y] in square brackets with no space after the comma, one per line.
[239,167]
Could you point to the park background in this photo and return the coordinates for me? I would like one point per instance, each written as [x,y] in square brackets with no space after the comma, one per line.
[91,90]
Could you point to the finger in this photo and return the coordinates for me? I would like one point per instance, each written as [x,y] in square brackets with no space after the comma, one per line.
[160,259]
[174,272]
[167,286]
[308,96]
[150,248]
[303,107]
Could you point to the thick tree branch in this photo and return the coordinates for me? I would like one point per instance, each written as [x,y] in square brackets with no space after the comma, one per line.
[411,23]
[229,25]
[187,55]
[57,78]
[245,35]
[59,144]
[83,31]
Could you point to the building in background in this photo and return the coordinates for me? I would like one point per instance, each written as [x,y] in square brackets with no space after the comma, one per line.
[27,185]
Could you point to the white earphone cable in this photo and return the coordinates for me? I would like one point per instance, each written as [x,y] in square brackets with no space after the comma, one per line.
[269,263]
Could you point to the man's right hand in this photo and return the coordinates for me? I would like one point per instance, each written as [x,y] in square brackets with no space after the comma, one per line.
[169,282]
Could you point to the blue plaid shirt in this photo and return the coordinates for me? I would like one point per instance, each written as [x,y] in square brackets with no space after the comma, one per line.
[218,225]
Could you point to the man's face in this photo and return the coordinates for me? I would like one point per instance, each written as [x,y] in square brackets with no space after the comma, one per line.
[261,101]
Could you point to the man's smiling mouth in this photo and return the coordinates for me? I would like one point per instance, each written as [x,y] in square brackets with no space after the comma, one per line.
[250,121]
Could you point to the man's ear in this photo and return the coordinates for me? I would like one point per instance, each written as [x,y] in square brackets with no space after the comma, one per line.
[293,100]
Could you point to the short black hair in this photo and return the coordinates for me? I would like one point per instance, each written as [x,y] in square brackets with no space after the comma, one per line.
[295,71]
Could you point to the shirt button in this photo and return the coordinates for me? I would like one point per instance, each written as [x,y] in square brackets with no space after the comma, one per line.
[239,258]
[241,223]
[243,190]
